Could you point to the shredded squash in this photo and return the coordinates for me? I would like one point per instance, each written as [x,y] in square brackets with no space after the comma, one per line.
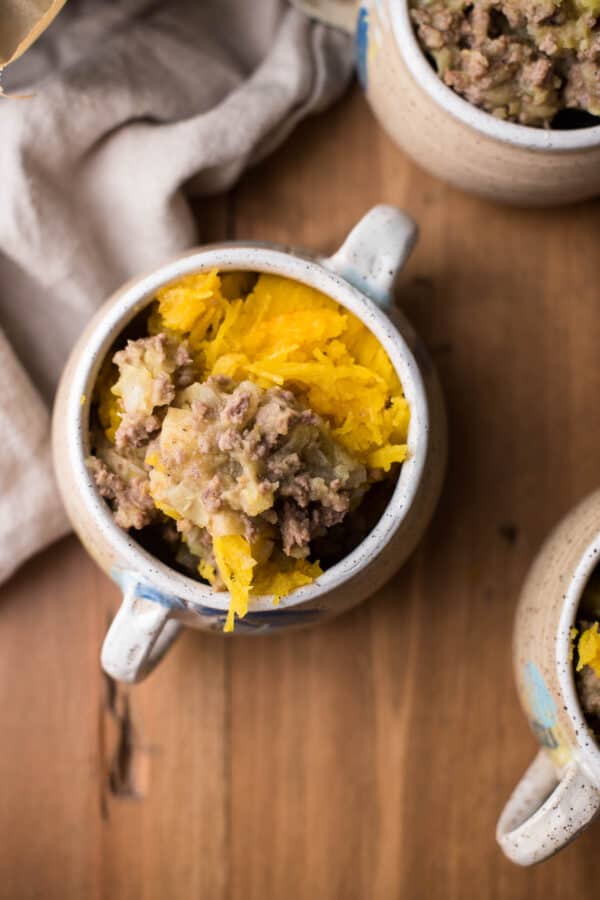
[588,648]
[288,334]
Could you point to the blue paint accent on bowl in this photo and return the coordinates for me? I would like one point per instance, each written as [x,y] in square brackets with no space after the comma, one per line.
[540,699]
[362,45]
[261,620]
[129,580]
[147,592]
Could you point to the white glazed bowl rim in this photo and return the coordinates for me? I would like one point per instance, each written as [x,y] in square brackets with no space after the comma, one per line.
[131,299]
[587,747]
[525,136]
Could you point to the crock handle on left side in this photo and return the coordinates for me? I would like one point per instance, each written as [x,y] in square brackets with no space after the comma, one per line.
[139,636]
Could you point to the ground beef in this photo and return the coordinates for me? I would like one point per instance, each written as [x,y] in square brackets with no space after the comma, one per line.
[150,371]
[300,525]
[230,457]
[521,60]
[588,687]
[255,462]
[131,502]
[295,529]
[136,432]
[193,461]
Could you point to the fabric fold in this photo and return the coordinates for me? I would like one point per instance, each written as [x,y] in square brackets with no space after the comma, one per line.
[136,107]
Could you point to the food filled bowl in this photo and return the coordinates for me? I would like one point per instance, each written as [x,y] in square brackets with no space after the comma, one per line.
[531,63]
[499,99]
[244,439]
[247,428]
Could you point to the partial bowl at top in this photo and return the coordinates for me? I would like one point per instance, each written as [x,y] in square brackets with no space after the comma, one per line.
[447,135]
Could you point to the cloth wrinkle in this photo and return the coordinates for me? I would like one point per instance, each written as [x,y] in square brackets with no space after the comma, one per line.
[136,108]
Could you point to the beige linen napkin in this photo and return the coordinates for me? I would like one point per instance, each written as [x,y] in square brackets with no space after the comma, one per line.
[137,104]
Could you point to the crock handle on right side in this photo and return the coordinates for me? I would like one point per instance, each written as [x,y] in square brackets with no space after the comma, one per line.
[545,811]
[374,253]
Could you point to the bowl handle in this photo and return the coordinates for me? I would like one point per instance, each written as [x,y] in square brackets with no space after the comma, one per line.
[546,811]
[341,13]
[139,636]
[374,253]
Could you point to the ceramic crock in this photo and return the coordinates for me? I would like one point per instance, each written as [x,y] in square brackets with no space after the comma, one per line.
[559,794]
[156,599]
[444,133]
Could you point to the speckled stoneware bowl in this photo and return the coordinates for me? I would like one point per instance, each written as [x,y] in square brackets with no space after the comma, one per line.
[157,599]
[450,137]
[559,794]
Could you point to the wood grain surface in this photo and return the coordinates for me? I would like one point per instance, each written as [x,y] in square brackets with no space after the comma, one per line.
[367,759]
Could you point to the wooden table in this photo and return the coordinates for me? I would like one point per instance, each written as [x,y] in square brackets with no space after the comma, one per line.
[369,758]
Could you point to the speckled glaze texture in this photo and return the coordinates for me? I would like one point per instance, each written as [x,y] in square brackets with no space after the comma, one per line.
[453,139]
[560,793]
[156,599]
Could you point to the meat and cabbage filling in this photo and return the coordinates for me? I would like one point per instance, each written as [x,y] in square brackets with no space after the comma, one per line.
[244,431]
[520,60]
